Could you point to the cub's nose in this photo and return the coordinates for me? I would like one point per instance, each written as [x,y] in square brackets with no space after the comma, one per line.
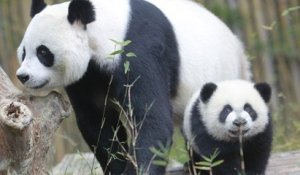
[23,77]
[240,122]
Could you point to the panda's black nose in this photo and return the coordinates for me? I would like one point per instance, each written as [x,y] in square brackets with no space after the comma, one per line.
[23,77]
[239,122]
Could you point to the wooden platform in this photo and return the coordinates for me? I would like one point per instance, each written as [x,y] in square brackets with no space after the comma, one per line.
[287,163]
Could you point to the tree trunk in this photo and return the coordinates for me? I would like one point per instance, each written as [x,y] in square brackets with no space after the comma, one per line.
[27,125]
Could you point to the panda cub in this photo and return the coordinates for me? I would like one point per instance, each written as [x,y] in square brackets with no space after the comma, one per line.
[213,119]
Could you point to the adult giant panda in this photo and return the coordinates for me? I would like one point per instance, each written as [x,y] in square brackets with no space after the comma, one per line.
[217,115]
[179,46]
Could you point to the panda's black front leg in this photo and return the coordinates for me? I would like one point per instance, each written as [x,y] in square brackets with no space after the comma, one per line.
[256,163]
[154,129]
[101,135]
[257,151]
[151,134]
[227,151]
[111,145]
[230,165]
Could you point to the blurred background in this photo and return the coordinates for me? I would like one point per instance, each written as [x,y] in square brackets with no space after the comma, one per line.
[269,29]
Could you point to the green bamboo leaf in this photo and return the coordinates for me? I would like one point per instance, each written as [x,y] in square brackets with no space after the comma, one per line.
[219,162]
[126,67]
[215,154]
[117,52]
[121,43]
[157,152]
[116,42]
[203,163]
[203,168]
[126,43]
[287,11]
[206,158]
[160,162]
[130,54]
[270,27]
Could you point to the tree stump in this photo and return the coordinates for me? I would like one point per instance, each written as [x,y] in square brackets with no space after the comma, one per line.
[27,126]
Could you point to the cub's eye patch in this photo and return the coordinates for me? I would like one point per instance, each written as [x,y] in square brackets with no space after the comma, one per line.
[23,54]
[224,113]
[248,108]
[45,56]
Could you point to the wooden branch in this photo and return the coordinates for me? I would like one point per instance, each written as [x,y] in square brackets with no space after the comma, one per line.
[27,125]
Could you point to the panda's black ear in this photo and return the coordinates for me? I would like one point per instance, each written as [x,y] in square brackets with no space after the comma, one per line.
[82,11]
[264,90]
[206,92]
[36,7]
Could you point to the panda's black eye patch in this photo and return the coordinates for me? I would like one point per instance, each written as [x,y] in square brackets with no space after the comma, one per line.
[248,108]
[23,54]
[224,113]
[45,56]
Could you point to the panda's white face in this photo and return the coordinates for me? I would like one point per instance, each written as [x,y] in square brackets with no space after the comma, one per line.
[233,106]
[53,52]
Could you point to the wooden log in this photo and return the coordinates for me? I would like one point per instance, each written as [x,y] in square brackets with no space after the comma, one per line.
[27,125]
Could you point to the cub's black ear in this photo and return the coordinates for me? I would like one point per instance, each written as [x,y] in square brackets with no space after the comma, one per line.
[207,90]
[36,7]
[264,90]
[82,11]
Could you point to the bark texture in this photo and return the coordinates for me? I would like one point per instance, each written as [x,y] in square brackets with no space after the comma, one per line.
[27,126]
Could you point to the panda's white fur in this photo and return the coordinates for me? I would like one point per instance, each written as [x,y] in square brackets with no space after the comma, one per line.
[236,93]
[208,49]
[72,57]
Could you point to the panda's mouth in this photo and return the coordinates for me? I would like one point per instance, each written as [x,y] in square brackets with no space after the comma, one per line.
[41,85]
[236,132]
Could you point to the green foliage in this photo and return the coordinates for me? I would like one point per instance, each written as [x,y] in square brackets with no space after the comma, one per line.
[289,10]
[115,53]
[126,67]
[286,137]
[121,43]
[130,54]
[209,162]
[178,151]
[161,155]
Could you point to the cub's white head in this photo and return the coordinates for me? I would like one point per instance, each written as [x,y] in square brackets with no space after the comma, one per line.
[55,50]
[229,106]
